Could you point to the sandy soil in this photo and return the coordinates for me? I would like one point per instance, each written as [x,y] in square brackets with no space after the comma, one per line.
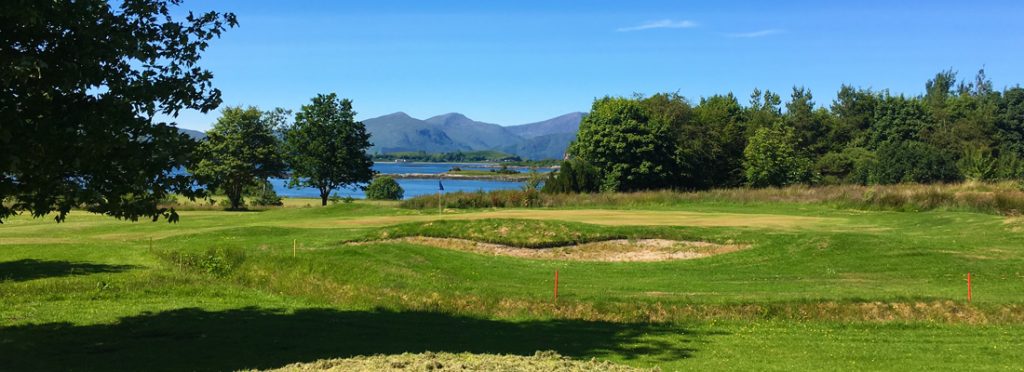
[619,250]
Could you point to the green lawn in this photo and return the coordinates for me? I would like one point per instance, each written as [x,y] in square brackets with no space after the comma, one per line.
[818,289]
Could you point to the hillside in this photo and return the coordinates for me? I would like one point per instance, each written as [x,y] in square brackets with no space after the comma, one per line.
[398,132]
[195,134]
[568,123]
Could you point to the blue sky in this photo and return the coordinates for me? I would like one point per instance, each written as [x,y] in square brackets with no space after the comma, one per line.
[514,62]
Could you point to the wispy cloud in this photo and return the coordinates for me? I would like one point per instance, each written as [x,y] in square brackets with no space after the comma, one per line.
[664,23]
[761,33]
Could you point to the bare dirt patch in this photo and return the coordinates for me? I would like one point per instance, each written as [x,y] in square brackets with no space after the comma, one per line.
[1014,224]
[618,250]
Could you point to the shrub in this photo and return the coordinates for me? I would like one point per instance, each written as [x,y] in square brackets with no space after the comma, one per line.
[384,188]
[217,262]
[913,161]
[977,164]
[534,182]
[853,165]
[574,176]
[1009,167]
[1002,198]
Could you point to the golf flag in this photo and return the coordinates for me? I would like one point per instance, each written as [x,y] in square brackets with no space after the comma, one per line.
[440,187]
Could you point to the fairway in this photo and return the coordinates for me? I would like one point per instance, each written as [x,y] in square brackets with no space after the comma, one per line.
[812,287]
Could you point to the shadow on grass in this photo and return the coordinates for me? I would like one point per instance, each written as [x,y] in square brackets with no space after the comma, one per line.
[29,269]
[193,339]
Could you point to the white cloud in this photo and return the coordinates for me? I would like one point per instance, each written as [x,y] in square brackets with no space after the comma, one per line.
[664,23]
[761,33]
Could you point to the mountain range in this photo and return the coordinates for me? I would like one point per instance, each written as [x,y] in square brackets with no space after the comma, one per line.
[453,132]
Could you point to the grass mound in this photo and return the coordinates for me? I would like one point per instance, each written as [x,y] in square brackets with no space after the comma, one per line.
[541,361]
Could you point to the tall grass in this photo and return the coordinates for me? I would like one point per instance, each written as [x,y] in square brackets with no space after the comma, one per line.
[1006,198]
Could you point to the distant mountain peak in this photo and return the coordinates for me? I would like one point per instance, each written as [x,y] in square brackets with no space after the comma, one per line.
[396,115]
[454,131]
[450,118]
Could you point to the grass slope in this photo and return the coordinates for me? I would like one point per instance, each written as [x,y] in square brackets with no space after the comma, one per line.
[819,288]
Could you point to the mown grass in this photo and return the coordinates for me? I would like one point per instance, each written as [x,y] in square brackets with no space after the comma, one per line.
[222,290]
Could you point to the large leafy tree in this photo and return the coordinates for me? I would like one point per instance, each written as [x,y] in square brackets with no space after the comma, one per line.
[721,117]
[326,146]
[631,151]
[80,85]
[811,126]
[852,110]
[240,150]
[772,158]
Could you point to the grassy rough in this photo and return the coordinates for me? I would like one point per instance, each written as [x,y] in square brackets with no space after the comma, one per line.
[1006,198]
[540,361]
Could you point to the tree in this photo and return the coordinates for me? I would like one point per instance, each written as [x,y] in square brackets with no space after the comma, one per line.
[326,147]
[1010,125]
[82,83]
[852,110]
[721,116]
[764,110]
[808,124]
[914,161]
[241,149]
[898,119]
[574,176]
[771,158]
[631,152]
[853,165]
[384,188]
[977,164]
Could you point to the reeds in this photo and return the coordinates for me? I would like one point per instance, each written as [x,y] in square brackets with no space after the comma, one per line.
[1005,198]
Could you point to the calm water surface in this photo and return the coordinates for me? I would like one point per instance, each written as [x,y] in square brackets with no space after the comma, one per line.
[414,187]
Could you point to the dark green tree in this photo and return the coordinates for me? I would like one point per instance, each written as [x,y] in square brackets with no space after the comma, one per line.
[240,150]
[898,119]
[574,176]
[326,147]
[852,165]
[914,161]
[631,151]
[853,111]
[764,110]
[809,125]
[1010,123]
[721,165]
[81,83]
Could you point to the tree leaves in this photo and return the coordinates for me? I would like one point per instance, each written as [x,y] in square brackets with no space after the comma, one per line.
[81,82]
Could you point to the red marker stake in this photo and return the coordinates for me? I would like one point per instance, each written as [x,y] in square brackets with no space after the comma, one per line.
[968,287]
[556,285]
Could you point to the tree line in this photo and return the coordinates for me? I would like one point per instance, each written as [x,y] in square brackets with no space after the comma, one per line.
[956,130]
[89,134]
[323,148]
[448,157]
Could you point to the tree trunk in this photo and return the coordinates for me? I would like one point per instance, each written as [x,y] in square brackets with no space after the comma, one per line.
[235,197]
[324,194]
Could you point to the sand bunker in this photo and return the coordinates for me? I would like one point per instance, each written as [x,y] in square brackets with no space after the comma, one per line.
[619,250]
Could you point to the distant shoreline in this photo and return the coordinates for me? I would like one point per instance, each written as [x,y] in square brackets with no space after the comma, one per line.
[496,176]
